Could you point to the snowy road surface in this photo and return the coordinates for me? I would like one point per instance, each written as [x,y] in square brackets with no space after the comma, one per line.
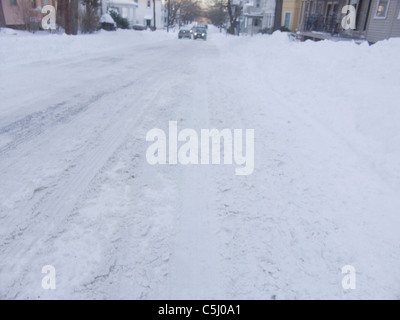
[77,193]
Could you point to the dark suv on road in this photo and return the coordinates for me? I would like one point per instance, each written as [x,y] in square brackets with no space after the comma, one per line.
[200,33]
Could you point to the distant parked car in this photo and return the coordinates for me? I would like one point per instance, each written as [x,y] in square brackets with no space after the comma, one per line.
[184,33]
[139,27]
[200,32]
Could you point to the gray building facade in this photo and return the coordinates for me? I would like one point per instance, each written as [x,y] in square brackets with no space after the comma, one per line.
[384,21]
[375,19]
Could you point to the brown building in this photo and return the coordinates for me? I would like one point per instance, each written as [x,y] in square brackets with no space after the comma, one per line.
[22,14]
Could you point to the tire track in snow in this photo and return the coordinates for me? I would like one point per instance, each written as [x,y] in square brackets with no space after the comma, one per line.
[62,112]
[36,143]
[28,147]
[57,204]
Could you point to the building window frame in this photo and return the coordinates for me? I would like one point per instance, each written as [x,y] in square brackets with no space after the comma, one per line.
[319,8]
[386,11]
[284,18]
[330,8]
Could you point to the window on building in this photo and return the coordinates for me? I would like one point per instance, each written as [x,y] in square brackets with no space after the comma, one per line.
[13,3]
[382,8]
[148,4]
[328,9]
[286,20]
[332,9]
[319,8]
[257,3]
[256,22]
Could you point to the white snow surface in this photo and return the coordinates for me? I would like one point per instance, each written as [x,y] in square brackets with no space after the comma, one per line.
[76,191]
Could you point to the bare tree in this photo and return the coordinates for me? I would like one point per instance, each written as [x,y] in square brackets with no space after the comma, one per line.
[68,15]
[90,21]
[184,11]
[189,11]
[234,12]
[226,10]
[174,7]
[217,13]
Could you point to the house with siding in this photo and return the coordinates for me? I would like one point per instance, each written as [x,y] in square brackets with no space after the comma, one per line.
[384,22]
[145,13]
[375,20]
[257,15]
[22,14]
[290,14]
[126,8]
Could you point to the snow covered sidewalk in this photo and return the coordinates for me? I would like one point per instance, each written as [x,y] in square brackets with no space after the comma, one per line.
[77,192]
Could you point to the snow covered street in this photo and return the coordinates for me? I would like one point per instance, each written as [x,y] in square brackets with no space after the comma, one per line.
[77,193]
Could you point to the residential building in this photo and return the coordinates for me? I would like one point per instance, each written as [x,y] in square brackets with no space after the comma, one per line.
[126,8]
[375,19]
[384,20]
[22,14]
[144,13]
[257,16]
[291,14]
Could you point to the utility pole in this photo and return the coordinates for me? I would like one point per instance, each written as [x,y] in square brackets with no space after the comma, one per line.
[154,15]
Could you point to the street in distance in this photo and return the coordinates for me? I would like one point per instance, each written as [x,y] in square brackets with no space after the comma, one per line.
[207,309]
